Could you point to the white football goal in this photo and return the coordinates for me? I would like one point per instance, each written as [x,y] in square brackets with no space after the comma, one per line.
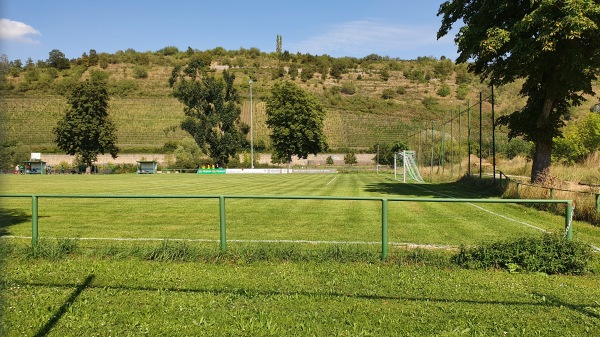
[410,169]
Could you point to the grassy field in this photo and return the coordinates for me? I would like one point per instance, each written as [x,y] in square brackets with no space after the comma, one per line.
[92,292]
[314,220]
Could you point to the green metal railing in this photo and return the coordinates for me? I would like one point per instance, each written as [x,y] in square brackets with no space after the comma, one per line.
[222,210]
[507,179]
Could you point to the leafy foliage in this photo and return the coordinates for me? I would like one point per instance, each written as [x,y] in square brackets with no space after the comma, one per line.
[86,129]
[388,93]
[549,254]
[444,90]
[13,153]
[296,122]
[348,88]
[139,72]
[552,45]
[211,109]
[386,152]
[58,60]
[350,158]
[579,141]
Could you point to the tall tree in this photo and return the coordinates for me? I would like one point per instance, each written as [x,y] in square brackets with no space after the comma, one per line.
[385,152]
[58,60]
[86,129]
[212,112]
[553,45]
[296,122]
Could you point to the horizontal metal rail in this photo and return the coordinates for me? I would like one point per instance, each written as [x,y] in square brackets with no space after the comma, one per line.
[551,189]
[222,211]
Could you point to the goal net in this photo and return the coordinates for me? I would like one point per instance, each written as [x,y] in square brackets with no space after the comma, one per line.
[409,166]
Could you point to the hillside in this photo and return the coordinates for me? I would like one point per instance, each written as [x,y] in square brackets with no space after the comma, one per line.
[367,101]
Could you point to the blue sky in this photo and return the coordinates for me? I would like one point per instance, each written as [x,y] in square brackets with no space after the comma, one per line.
[397,28]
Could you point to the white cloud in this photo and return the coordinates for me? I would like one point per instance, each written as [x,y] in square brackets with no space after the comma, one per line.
[361,38]
[17,31]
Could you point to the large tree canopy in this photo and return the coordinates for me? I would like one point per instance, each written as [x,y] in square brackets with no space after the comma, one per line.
[211,109]
[296,122]
[58,60]
[553,45]
[86,129]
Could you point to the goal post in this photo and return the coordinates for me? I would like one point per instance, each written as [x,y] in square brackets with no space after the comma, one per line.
[409,166]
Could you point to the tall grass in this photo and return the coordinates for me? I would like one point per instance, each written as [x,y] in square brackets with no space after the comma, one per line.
[562,182]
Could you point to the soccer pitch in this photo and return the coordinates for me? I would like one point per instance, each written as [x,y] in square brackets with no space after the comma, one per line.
[108,287]
[316,221]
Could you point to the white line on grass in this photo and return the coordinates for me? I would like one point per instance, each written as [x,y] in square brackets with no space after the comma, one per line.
[485,210]
[597,249]
[329,182]
[397,244]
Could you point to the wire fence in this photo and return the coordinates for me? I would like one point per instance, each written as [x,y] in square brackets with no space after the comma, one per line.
[449,142]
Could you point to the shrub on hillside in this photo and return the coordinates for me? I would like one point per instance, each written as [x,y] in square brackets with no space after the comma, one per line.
[139,72]
[99,75]
[348,88]
[123,88]
[444,90]
[462,91]
[388,93]
[550,253]
[431,103]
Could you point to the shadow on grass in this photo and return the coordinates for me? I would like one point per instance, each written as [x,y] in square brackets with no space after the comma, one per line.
[63,309]
[10,217]
[465,188]
[588,309]
[583,309]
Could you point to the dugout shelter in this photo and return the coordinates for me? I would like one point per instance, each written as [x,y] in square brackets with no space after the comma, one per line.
[35,167]
[147,166]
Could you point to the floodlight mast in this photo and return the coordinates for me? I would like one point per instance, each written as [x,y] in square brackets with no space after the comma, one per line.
[251,130]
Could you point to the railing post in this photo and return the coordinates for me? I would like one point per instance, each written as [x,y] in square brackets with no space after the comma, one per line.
[552,194]
[569,221]
[598,203]
[222,227]
[34,221]
[384,229]
[518,187]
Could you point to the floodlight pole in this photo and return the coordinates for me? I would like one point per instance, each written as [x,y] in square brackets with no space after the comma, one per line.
[251,130]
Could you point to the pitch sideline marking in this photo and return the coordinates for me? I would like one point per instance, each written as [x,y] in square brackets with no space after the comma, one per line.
[334,178]
[485,210]
[597,249]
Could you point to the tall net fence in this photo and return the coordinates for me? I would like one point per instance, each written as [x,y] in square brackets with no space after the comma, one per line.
[461,141]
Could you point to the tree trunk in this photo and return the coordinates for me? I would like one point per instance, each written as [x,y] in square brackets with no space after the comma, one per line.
[541,160]
[543,143]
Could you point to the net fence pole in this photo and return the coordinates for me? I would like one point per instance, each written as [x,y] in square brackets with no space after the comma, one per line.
[451,143]
[404,165]
[469,137]
[459,142]
[442,144]
[431,165]
[493,138]
[480,133]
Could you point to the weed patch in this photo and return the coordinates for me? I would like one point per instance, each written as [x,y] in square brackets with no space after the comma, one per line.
[549,254]
[53,249]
